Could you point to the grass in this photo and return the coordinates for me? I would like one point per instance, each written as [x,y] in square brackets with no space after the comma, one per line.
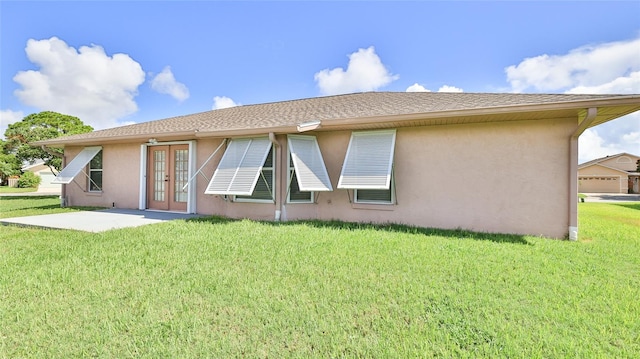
[220,288]
[6,189]
[21,206]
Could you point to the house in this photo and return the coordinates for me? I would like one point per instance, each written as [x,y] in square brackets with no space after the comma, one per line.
[610,174]
[479,161]
[47,177]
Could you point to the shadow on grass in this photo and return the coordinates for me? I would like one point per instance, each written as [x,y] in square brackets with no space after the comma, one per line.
[388,227]
[635,205]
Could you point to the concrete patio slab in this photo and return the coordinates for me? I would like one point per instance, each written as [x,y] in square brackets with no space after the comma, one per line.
[97,221]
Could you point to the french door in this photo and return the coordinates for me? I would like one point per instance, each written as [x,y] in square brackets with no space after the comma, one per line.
[167,175]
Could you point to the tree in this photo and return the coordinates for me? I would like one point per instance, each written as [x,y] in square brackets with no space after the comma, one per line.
[38,127]
[9,164]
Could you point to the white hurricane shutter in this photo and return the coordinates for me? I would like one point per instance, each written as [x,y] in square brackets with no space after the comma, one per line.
[369,160]
[311,172]
[71,170]
[240,167]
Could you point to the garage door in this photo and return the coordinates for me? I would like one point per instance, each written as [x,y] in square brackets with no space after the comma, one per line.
[46,184]
[602,184]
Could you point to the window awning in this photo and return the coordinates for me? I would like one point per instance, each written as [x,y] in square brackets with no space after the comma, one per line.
[240,167]
[307,160]
[71,170]
[369,160]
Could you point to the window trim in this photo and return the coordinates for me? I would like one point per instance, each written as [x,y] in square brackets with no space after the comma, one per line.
[391,189]
[91,170]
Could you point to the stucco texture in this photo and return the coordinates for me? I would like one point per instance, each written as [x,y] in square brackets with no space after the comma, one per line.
[508,177]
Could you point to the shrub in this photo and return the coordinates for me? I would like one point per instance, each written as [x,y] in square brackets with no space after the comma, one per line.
[29,180]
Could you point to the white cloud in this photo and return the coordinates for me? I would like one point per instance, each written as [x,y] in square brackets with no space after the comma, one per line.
[619,135]
[416,87]
[447,88]
[609,68]
[8,117]
[365,72]
[593,146]
[220,102]
[86,83]
[633,137]
[166,83]
[585,67]
[621,85]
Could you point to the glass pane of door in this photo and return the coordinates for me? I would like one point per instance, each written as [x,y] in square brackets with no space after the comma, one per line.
[181,175]
[159,174]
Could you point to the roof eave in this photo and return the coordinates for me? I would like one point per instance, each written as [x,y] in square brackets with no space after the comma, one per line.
[142,138]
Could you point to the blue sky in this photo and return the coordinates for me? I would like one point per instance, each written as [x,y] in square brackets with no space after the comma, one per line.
[121,62]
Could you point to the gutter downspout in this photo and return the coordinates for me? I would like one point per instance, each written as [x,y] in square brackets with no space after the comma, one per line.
[63,189]
[276,186]
[592,112]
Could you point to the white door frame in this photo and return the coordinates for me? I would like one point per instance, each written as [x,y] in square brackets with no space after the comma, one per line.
[191,189]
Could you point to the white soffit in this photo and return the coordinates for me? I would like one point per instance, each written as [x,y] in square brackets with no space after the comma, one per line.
[309,165]
[71,170]
[240,166]
[369,160]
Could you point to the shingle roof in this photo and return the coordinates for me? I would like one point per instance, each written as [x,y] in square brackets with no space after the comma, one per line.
[280,116]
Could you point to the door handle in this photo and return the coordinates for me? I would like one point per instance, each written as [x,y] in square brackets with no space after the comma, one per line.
[166,178]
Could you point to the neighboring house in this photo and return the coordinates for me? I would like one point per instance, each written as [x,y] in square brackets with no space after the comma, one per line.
[46,176]
[478,161]
[610,174]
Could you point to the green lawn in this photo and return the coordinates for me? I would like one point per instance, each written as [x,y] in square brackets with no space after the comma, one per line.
[221,288]
[22,206]
[5,189]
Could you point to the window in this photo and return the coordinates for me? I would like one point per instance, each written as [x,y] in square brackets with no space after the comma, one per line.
[295,194]
[245,171]
[77,165]
[180,174]
[95,173]
[375,196]
[263,191]
[307,172]
[367,167]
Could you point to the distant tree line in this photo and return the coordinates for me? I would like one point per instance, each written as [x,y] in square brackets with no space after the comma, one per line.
[16,149]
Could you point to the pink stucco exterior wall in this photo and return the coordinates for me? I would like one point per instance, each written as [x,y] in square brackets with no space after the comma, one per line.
[120,178]
[508,177]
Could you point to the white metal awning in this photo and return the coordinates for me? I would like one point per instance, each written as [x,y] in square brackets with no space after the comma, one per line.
[240,167]
[307,160]
[369,160]
[73,168]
